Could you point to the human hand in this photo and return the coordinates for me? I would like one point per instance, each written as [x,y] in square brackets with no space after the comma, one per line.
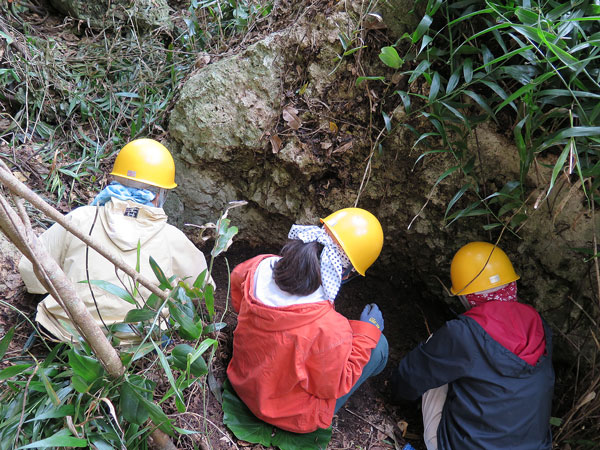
[373,315]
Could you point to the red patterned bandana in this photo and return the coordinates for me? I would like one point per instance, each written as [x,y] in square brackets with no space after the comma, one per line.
[506,294]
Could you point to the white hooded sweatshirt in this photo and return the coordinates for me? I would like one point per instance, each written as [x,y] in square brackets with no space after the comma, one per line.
[119,226]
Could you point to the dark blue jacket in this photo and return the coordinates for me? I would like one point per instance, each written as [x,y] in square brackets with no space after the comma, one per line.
[496,400]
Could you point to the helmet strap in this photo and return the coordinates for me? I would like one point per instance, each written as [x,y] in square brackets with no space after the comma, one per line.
[465,302]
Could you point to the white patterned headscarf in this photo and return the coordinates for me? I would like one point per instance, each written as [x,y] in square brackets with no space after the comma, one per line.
[333,259]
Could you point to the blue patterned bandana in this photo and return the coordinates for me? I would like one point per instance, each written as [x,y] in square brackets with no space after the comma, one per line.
[333,259]
[117,190]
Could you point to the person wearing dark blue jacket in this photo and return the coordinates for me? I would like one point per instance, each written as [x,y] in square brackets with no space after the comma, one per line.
[486,378]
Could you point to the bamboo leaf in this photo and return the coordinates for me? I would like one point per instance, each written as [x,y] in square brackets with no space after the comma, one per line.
[481,102]
[568,93]
[62,438]
[54,413]
[487,58]
[112,289]
[508,207]
[419,70]
[12,371]
[568,60]
[456,198]
[5,342]
[50,389]
[518,219]
[446,173]
[468,70]
[479,34]
[160,275]
[524,89]
[571,132]
[506,57]
[454,79]
[139,315]
[457,113]
[464,17]
[469,211]
[387,120]
[527,16]
[560,162]
[422,28]
[390,57]
[424,43]
[435,86]
[433,6]
[429,152]
[361,79]
[492,226]
[353,50]
[169,373]
[523,73]
[424,136]
[519,141]
[209,300]
[405,100]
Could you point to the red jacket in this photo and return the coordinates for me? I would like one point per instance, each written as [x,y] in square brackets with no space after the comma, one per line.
[291,364]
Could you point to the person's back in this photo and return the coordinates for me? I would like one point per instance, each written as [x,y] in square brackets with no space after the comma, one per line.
[486,377]
[118,227]
[122,217]
[496,399]
[295,359]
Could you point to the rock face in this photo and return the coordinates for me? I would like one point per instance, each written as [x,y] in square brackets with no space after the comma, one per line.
[284,126]
[104,13]
[225,125]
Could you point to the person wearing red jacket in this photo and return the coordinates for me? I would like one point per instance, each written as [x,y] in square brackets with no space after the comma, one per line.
[486,378]
[295,359]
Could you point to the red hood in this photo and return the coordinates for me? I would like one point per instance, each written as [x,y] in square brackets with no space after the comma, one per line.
[515,326]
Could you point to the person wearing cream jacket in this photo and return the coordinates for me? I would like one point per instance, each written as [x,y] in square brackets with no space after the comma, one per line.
[128,211]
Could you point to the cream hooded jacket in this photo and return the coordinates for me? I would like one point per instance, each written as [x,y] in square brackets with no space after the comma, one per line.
[119,226]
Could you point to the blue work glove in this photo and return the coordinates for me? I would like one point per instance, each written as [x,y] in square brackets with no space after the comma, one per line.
[372,315]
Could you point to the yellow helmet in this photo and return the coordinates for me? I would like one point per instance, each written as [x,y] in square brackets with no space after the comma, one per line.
[359,234]
[146,161]
[478,266]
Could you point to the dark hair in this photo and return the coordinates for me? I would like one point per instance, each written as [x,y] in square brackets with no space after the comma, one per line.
[298,272]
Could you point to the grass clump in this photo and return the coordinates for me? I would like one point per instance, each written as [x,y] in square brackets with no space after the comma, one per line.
[73,96]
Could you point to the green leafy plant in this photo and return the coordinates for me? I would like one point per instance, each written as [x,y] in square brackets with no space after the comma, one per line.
[530,66]
[240,420]
[67,399]
[348,46]
[211,21]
